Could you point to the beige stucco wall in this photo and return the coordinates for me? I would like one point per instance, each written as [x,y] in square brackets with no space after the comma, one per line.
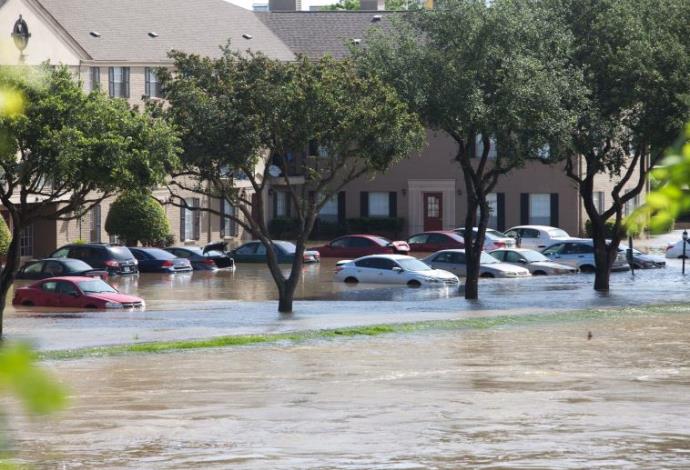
[46,43]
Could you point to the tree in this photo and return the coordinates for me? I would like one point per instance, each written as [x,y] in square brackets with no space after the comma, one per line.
[63,151]
[354,5]
[314,126]
[494,76]
[136,216]
[634,59]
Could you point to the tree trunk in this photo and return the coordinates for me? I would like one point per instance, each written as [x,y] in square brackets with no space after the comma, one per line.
[602,268]
[7,274]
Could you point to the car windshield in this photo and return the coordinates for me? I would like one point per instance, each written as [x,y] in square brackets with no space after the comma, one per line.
[195,249]
[158,253]
[487,259]
[381,241]
[558,233]
[120,252]
[97,286]
[74,265]
[413,265]
[286,246]
[533,256]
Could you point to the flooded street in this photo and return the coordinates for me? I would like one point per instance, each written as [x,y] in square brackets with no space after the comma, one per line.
[200,305]
[533,396]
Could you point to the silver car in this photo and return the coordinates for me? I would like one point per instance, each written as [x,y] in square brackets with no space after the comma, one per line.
[454,261]
[535,262]
[579,253]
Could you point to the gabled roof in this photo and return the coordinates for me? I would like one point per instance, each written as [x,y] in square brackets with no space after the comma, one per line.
[316,34]
[195,26]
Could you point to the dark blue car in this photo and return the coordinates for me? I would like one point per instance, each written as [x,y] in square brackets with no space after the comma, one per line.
[155,260]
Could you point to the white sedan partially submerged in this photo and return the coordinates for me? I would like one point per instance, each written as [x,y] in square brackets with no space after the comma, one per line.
[392,269]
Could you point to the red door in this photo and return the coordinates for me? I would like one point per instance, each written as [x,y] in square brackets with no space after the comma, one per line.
[433,208]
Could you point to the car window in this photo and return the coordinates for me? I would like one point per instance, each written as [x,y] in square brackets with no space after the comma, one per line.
[458,258]
[379,240]
[261,249]
[382,263]
[512,233]
[554,249]
[530,233]
[341,243]
[119,252]
[74,265]
[287,247]
[66,288]
[411,264]
[486,258]
[512,257]
[248,249]
[49,286]
[446,257]
[558,233]
[53,268]
[33,268]
[96,286]
[499,255]
[437,238]
[155,253]
[360,242]
[183,253]
[140,255]
[494,233]
[364,263]
[422,238]
[61,253]
[579,248]
[79,252]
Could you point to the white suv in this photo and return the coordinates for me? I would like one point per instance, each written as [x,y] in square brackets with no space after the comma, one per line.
[579,253]
[537,237]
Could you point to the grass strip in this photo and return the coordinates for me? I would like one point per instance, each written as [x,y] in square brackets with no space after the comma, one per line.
[478,323]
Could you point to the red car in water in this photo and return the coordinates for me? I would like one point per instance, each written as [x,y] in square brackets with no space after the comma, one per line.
[436,240]
[74,292]
[355,246]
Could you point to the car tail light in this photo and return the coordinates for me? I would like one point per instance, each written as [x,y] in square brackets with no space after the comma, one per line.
[111,263]
[167,264]
[339,268]
[499,244]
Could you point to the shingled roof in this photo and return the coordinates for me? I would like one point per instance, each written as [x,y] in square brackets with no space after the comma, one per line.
[196,26]
[316,34]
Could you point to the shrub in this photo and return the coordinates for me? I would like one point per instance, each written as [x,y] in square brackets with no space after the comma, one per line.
[136,216]
[283,228]
[609,229]
[390,226]
[5,237]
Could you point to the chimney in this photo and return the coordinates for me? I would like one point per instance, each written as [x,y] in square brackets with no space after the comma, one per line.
[284,5]
[372,5]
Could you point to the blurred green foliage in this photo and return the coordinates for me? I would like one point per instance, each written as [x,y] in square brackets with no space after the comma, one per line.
[670,197]
[5,237]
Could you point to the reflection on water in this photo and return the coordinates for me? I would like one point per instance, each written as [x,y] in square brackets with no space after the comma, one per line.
[526,397]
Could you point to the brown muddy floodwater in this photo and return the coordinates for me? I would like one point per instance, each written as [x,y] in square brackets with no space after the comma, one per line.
[532,396]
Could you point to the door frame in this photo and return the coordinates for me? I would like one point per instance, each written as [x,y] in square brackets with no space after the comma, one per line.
[425,196]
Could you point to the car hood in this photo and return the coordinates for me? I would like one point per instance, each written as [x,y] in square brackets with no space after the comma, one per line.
[438,274]
[116,297]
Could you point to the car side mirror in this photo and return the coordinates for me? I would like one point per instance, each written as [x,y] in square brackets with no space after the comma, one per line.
[523,261]
[397,269]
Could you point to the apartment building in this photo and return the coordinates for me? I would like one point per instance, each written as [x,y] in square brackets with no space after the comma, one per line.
[116,45]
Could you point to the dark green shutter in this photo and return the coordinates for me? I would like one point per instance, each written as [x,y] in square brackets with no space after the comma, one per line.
[147,82]
[222,217]
[392,204]
[275,204]
[524,208]
[182,224]
[111,82]
[554,209]
[500,211]
[364,204]
[196,218]
[125,80]
[341,208]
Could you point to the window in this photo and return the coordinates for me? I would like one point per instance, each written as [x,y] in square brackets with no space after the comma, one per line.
[376,263]
[544,152]
[34,268]
[379,204]
[458,258]
[529,233]
[228,227]
[118,82]
[599,199]
[53,268]
[499,255]
[631,205]
[438,239]
[329,211]
[95,73]
[190,220]
[281,207]
[492,200]
[418,239]
[49,286]
[540,209]
[479,147]
[95,232]
[554,249]
[443,257]
[26,241]
[152,87]
[513,257]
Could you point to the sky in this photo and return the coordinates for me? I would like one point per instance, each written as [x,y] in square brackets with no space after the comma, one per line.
[305,3]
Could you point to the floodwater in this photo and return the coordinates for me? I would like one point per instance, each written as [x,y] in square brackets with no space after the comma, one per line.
[199,305]
[533,396]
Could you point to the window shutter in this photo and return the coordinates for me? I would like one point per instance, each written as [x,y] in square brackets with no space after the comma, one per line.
[182,224]
[111,82]
[524,208]
[364,204]
[554,209]
[147,82]
[341,208]
[392,204]
[275,204]
[125,81]
[501,211]
[222,217]
[197,219]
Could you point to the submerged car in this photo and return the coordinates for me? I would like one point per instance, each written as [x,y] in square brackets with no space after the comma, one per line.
[455,262]
[435,240]
[493,239]
[355,246]
[51,267]
[535,262]
[643,260]
[536,237]
[676,249]
[156,260]
[111,258]
[74,292]
[255,252]
[579,253]
[203,259]
[392,269]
